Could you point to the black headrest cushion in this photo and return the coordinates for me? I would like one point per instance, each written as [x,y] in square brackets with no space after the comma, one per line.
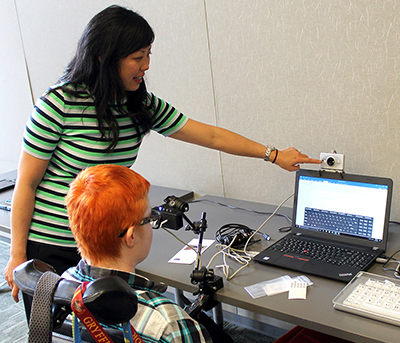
[110,299]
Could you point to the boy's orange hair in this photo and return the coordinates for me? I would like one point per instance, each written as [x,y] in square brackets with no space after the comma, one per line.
[102,201]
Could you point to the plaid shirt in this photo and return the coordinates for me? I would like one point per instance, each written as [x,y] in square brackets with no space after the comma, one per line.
[158,319]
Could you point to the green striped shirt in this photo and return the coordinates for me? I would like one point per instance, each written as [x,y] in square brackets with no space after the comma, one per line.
[64,130]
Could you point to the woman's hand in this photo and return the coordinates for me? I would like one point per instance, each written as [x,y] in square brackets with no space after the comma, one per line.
[290,158]
[8,275]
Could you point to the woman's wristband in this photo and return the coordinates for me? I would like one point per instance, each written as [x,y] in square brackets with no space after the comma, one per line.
[276,155]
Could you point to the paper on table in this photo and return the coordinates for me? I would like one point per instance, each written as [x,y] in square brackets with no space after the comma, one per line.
[275,286]
[298,290]
[186,255]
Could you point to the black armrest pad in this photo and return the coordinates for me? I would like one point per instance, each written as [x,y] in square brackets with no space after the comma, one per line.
[27,275]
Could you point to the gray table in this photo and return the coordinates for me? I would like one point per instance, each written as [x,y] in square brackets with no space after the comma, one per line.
[316,312]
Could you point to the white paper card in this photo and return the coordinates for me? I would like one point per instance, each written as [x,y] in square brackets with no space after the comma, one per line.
[298,290]
[186,255]
[270,287]
[275,286]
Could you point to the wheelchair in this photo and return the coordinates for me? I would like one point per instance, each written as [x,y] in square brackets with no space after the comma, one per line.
[110,300]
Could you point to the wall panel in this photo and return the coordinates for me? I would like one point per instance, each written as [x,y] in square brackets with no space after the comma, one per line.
[311,74]
[15,95]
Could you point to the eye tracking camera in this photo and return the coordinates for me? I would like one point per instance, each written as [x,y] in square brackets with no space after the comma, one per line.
[332,161]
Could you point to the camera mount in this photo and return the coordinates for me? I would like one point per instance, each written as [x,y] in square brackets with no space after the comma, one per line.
[172,212]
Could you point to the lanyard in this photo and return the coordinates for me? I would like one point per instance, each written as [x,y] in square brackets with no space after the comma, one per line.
[92,325]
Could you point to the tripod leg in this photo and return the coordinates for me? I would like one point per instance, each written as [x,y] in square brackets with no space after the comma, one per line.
[178,298]
[218,315]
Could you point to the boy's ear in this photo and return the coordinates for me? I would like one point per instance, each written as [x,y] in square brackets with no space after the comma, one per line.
[130,237]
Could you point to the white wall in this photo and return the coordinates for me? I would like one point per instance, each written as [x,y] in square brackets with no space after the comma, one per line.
[15,95]
[310,74]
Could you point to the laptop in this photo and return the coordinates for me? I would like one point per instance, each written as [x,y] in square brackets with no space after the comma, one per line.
[340,225]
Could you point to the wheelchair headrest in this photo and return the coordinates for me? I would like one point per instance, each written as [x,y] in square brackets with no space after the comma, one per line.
[110,299]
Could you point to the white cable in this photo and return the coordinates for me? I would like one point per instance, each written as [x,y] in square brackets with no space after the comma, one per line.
[227,250]
[245,260]
[265,222]
[198,258]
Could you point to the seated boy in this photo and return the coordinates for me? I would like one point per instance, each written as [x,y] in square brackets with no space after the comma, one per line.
[109,214]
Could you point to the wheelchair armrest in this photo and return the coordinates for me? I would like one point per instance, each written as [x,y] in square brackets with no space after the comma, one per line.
[27,275]
[110,299]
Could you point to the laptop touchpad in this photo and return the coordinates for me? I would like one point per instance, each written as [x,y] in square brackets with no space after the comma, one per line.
[291,260]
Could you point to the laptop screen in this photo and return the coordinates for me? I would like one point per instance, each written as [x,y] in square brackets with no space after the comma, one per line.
[342,205]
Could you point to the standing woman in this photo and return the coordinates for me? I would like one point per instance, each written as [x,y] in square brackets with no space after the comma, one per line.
[99,113]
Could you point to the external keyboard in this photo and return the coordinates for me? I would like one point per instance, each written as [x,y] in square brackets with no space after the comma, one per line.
[373,296]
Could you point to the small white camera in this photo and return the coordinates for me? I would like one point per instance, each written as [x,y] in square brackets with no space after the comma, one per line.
[332,162]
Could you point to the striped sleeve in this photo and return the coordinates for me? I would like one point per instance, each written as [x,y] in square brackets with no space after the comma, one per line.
[44,126]
[168,119]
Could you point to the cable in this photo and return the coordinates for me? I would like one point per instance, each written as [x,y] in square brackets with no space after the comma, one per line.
[198,256]
[266,221]
[389,260]
[239,232]
[227,250]
[241,208]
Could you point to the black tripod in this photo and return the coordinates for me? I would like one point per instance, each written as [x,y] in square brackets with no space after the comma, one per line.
[205,278]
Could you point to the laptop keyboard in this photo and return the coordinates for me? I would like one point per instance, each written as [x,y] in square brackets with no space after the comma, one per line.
[371,295]
[324,252]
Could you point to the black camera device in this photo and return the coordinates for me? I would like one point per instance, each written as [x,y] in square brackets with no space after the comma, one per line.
[171,215]
[172,212]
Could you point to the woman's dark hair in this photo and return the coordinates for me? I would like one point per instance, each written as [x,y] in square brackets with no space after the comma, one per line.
[111,35]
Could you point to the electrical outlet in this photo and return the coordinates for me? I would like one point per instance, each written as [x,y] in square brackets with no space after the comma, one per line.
[332,161]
